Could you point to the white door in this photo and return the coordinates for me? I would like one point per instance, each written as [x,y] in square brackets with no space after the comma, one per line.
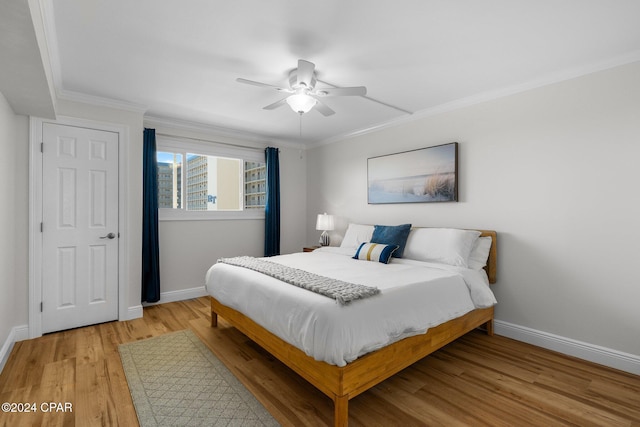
[80,227]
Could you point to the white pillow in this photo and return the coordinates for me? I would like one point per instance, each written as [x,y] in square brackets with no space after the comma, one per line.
[480,253]
[445,245]
[356,235]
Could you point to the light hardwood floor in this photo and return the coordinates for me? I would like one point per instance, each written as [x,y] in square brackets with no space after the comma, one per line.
[477,380]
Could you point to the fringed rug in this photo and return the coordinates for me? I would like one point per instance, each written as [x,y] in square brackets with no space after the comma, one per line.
[175,380]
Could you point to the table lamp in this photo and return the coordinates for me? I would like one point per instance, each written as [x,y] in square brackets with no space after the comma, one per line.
[324,223]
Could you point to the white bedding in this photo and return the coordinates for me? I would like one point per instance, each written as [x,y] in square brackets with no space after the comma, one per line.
[414,297]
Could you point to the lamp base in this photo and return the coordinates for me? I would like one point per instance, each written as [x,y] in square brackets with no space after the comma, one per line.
[324,239]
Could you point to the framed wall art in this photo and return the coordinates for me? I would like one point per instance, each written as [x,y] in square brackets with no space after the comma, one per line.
[419,176]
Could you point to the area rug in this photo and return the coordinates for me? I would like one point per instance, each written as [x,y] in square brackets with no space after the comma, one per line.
[175,380]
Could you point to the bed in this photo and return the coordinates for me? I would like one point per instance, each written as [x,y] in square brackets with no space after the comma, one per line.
[343,350]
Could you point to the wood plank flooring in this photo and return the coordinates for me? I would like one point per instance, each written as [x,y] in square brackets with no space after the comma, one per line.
[475,381]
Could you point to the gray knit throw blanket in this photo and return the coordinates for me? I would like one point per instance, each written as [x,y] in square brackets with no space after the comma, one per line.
[342,292]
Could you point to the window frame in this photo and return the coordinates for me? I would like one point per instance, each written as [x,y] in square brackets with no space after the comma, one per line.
[182,146]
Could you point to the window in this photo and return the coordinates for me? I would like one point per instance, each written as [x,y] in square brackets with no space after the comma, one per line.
[202,180]
[169,180]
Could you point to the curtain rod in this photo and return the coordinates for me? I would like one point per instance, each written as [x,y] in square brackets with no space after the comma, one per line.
[210,140]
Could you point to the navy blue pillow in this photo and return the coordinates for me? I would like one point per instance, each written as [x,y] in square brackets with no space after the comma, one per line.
[392,235]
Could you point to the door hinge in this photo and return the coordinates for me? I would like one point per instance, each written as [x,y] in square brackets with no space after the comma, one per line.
[41,227]
[42,147]
[40,306]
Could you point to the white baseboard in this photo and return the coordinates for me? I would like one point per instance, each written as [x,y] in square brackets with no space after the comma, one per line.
[593,353]
[134,312]
[171,296]
[17,333]
[181,295]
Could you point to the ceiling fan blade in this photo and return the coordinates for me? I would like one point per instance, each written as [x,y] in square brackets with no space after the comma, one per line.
[254,83]
[342,91]
[275,104]
[305,73]
[323,109]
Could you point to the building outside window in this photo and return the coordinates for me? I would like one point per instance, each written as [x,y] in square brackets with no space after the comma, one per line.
[229,185]
[169,180]
[255,185]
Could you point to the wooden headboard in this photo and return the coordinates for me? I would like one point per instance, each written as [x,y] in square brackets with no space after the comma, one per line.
[491,267]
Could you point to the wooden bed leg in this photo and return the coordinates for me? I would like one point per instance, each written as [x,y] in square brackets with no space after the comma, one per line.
[214,320]
[489,327]
[214,316]
[341,411]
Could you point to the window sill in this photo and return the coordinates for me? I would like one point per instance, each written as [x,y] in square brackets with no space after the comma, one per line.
[180,215]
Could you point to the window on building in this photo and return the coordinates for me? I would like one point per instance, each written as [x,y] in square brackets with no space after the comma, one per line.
[198,180]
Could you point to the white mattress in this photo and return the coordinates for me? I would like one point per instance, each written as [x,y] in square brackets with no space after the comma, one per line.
[414,297]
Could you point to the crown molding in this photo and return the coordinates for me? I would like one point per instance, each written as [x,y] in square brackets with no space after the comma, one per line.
[41,18]
[44,23]
[550,79]
[98,101]
[216,131]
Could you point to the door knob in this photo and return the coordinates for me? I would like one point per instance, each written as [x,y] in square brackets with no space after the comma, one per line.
[109,236]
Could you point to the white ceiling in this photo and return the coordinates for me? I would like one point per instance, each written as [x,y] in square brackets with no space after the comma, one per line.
[180,59]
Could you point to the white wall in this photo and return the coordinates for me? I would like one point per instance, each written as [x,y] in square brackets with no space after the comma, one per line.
[293,199]
[14,174]
[189,248]
[555,172]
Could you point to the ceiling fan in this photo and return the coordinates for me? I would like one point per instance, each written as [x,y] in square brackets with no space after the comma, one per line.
[304,94]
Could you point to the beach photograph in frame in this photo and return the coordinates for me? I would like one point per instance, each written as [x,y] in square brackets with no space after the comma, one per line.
[419,176]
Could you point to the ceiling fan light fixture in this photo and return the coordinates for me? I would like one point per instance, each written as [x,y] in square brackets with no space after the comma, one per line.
[304,95]
[301,103]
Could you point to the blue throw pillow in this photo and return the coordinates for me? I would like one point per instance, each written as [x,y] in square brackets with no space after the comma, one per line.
[392,235]
[375,252]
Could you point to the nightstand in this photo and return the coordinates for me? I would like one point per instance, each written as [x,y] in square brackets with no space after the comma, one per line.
[309,248]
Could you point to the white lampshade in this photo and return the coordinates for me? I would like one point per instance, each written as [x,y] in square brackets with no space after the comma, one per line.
[324,222]
[301,103]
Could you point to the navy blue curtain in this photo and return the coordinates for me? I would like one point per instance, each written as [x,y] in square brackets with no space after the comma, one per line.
[272,206]
[150,249]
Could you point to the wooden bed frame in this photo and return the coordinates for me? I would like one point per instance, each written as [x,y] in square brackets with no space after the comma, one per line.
[344,383]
